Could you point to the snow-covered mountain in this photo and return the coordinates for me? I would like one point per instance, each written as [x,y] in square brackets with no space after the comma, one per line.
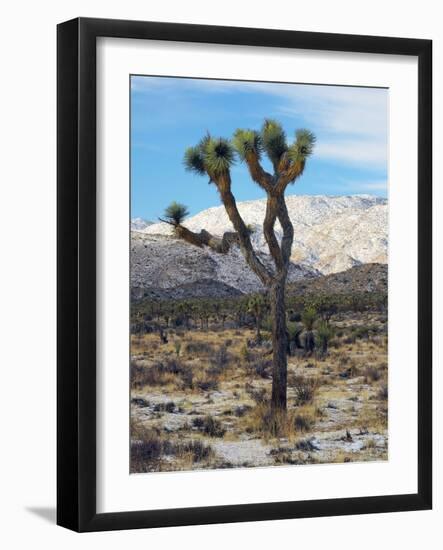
[138,224]
[163,266]
[331,234]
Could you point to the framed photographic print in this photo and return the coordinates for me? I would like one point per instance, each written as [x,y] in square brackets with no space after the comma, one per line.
[244,274]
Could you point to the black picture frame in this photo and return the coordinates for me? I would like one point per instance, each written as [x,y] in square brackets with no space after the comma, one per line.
[76,294]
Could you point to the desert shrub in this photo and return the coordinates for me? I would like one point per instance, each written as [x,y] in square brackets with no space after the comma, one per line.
[261,367]
[146,451]
[325,332]
[209,425]
[266,324]
[294,331]
[187,379]
[165,407]
[271,424]
[259,395]
[383,392]
[157,374]
[304,445]
[198,449]
[245,354]
[199,348]
[222,358]
[228,342]
[140,402]
[177,347]
[303,423]
[146,454]
[241,410]
[207,384]
[371,374]
[304,388]
[295,317]
[151,375]
[362,332]
[369,444]
[198,422]
[170,370]
[308,318]
[173,365]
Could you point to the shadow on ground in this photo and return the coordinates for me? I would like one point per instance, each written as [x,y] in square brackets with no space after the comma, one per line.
[46,513]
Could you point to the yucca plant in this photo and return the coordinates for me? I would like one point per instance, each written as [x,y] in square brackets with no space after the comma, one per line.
[308,319]
[257,308]
[214,158]
[325,332]
[175,214]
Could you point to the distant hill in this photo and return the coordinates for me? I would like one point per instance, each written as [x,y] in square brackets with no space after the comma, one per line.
[331,236]
[166,267]
[138,224]
[358,279]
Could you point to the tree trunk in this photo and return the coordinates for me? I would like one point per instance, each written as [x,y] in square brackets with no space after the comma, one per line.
[257,329]
[324,347]
[309,342]
[279,345]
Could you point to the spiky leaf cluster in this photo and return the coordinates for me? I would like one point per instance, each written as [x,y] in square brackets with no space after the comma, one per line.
[308,317]
[274,140]
[219,155]
[247,141]
[256,305]
[194,161]
[325,331]
[213,156]
[176,212]
[303,146]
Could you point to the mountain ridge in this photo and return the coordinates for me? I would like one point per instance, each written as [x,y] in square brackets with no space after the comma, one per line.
[331,235]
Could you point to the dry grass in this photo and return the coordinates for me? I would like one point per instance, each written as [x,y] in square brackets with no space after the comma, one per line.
[203,388]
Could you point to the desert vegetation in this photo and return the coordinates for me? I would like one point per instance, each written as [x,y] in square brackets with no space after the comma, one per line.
[201,382]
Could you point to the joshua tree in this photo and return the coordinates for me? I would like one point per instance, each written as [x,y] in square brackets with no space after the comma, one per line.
[308,319]
[213,157]
[175,214]
[326,306]
[325,332]
[256,306]
[295,331]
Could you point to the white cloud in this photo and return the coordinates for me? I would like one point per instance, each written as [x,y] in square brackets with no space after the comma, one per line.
[371,186]
[354,151]
[351,123]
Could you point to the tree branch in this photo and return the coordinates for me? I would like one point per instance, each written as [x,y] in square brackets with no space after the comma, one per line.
[224,187]
[294,171]
[256,171]
[269,233]
[288,230]
[168,222]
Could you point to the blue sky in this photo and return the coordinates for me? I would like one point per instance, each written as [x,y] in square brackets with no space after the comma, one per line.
[170,114]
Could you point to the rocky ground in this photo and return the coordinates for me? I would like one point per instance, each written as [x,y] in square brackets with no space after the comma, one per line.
[201,400]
